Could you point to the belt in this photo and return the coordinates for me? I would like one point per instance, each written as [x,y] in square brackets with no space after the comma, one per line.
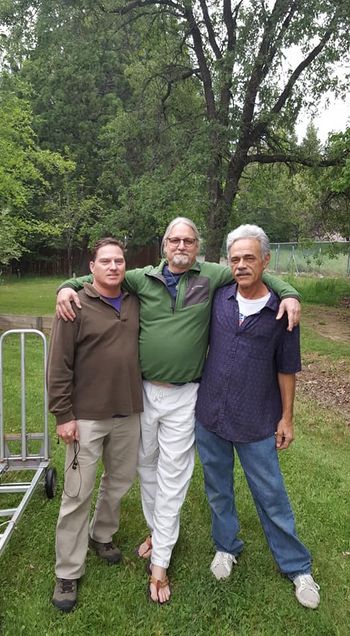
[170,384]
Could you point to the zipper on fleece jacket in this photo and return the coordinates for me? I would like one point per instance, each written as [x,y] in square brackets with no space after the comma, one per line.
[161,279]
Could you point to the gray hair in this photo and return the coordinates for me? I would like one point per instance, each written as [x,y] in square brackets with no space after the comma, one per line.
[179,219]
[249,232]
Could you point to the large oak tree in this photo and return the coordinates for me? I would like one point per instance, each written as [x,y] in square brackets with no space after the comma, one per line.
[258,63]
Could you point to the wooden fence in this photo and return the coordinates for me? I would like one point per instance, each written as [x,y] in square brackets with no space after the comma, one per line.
[43,323]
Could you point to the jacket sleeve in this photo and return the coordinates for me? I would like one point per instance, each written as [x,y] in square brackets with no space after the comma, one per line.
[280,287]
[76,283]
[130,280]
[60,369]
[134,279]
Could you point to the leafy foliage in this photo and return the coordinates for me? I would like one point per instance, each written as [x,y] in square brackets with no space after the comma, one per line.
[161,108]
[18,171]
[250,95]
[10,239]
[26,173]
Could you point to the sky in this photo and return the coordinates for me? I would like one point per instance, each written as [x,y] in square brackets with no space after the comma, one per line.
[334,117]
[333,113]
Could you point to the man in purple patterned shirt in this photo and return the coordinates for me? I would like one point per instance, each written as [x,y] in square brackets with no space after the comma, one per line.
[245,404]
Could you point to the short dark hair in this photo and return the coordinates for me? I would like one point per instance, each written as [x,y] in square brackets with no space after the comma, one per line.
[108,240]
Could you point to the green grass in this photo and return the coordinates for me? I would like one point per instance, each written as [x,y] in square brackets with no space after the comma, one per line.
[321,291]
[317,258]
[35,296]
[34,371]
[315,343]
[255,601]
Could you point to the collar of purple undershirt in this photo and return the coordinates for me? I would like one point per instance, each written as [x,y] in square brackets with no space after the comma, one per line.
[115,301]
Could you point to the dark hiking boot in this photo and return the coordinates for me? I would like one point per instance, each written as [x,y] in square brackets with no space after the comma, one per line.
[65,594]
[107,551]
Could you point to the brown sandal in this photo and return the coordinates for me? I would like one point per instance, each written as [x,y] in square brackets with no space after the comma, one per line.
[158,584]
[147,553]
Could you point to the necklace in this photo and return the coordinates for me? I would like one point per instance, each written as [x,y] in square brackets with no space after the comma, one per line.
[174,277]
[171,280]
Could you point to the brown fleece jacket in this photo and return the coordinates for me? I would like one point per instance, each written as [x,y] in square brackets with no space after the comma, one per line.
[93,368]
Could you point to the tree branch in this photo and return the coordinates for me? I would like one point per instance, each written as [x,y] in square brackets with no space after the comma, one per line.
[264,58]
[231,23]
[285,158]
[138,16]
[140,4]
[202,63]
[228,60]
[247,134]
[210,30]
[300,68]
[261,126]
[272,46]
[178,74]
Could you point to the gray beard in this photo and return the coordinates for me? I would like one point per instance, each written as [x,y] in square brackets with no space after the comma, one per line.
[181,259]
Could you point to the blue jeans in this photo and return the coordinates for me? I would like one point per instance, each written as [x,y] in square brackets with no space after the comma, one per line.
[260,463]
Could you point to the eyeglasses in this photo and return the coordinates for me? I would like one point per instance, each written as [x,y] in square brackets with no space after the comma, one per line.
[188,242]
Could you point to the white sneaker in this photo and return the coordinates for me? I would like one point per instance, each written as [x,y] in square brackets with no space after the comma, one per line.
[306,591]
[221,565]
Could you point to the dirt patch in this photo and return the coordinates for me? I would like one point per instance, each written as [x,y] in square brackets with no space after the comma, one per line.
[324,380]
[330,322]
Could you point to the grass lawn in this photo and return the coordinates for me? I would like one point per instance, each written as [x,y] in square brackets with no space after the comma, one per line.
[312,259]
[35,296]
[321,291]
[255,601]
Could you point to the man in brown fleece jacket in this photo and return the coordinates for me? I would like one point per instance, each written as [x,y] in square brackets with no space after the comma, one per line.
[95,393]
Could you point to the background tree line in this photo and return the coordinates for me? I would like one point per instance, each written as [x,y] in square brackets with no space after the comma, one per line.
[116,116]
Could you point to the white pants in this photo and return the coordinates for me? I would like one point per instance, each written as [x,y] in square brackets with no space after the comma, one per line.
[116,440]
[166,461]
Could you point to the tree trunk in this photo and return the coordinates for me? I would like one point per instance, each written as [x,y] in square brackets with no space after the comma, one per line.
[220,204]
[70,260]
[217,219]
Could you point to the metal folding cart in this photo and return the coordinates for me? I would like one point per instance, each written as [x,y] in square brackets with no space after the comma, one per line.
[24,451]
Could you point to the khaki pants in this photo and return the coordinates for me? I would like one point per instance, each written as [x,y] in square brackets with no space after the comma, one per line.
[116,441]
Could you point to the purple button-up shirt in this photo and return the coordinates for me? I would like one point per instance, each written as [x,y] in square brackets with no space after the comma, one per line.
[239,397]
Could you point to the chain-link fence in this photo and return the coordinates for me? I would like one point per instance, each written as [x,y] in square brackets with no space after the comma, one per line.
[320,257]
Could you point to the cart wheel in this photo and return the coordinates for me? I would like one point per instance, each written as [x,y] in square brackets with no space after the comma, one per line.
[50,482]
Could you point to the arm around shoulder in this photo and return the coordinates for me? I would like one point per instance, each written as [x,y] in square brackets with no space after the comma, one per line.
[67,293]
[76,283]
[280,287]
[289,296]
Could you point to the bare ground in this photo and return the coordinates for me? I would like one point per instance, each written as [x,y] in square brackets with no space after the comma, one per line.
[323,380]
